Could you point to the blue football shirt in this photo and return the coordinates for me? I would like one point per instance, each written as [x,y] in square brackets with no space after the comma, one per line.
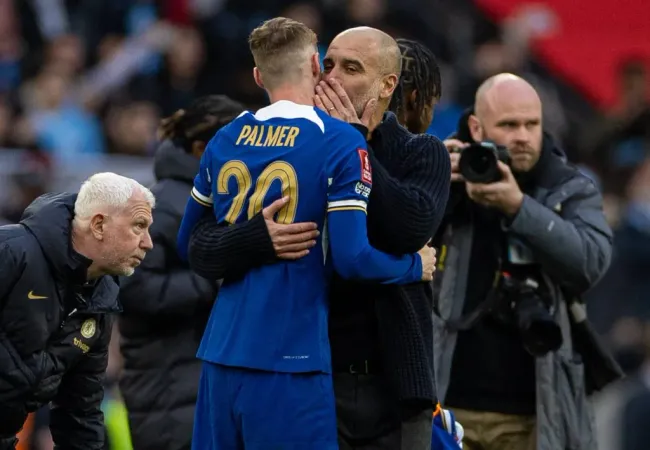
[275,317]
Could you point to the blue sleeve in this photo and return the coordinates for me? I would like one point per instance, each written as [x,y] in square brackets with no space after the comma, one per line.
[354,258]
[351,253]
[200,199]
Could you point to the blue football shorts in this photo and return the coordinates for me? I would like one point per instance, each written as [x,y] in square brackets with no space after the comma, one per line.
[245,409]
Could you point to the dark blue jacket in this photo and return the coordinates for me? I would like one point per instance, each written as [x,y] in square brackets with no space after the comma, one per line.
[54,327]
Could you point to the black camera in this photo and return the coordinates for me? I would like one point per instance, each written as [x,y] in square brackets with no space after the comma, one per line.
[531,315]
[478,162]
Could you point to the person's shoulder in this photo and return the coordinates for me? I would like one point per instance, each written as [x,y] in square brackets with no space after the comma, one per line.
[565,175]
[425,142]
[425,147]
[410,142]
[338,129]
[331,125]
[18,245]
[234,124]
[16,238]
[576,180]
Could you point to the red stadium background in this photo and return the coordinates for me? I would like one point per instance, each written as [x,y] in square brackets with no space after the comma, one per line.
[584,41]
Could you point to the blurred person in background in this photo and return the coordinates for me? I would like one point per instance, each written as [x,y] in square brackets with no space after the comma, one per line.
[419,88]
[26,187]
[618,141]
[518,247]
[116,421]
[627,280]
[634,432]
[10,47]
[383,376]
[131,127]
[166,305]
[506,48]
[57,292]
[55,122]
[5,122]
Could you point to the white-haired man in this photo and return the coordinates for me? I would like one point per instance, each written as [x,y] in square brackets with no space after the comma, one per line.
[58,272]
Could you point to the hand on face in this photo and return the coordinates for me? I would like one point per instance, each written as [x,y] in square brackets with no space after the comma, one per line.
[332,98]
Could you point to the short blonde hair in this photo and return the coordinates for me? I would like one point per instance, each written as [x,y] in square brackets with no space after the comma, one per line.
[280,48]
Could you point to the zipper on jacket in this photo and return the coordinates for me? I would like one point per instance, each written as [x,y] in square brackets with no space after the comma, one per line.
[67,317]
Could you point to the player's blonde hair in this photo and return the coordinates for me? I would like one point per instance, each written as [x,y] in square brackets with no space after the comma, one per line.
[281,48]
[107,190]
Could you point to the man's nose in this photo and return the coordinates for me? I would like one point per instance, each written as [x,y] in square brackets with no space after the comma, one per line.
[330,74]
[522,134]
[146,243]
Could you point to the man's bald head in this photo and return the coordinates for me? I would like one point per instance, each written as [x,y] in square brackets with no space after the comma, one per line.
[508,111]
[367,62]
[389,57]
[500,89]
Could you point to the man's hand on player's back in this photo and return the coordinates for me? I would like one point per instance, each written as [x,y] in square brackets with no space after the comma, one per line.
[428,256]
[291,241]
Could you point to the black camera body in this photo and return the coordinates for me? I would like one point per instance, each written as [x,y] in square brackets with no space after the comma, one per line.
[524,307]
[478,162]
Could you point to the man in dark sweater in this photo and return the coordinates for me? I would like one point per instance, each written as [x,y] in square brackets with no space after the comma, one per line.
[381,336]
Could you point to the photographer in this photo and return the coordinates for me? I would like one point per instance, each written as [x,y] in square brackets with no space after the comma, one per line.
[523,231]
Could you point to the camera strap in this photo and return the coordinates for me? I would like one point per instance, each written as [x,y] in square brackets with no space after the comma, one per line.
[466,321]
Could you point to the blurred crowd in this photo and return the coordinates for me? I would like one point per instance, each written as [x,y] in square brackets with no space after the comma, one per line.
[84,84]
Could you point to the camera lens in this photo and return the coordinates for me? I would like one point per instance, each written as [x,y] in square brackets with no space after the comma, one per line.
[481,163]
[478,164]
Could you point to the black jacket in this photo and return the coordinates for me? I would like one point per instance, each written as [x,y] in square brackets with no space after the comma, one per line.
[54,327]
[166,307]
[392,323]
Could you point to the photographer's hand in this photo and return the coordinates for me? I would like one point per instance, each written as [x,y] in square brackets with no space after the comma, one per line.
[504,195]
[453,147]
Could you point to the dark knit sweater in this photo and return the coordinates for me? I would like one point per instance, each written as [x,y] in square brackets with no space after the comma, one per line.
[392,324]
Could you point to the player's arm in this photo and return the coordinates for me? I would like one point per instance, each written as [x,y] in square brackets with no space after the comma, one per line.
[351,253]
[218,251]
[198,203]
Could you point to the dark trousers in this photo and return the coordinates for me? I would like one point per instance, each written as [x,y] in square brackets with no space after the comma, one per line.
[369,417]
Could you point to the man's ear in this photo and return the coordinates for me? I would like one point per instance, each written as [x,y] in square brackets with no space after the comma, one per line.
[98,226]
[388,86]
[315,66]
[258,77]
[475,128]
